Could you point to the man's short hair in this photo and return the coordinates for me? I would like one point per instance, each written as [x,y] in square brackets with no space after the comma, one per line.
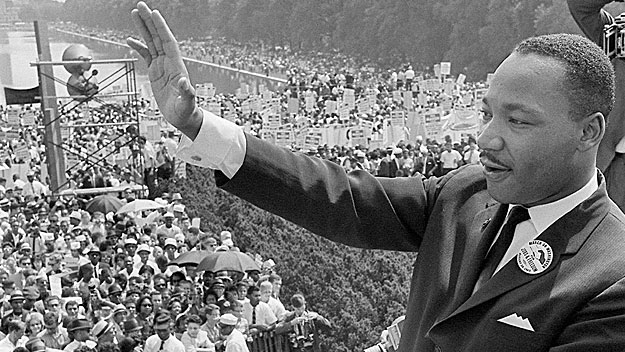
[194,318]
[589,77]
[15,325]
[253,289]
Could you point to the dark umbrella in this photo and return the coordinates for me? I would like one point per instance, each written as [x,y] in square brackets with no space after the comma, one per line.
[104,204]
[191,258]
[227,260]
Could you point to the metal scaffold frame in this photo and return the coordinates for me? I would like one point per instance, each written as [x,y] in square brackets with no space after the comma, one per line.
[58,110]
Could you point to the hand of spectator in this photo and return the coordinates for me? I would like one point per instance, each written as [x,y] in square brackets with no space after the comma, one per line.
[168,75]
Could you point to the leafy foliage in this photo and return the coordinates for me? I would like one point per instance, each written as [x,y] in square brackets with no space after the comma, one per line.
[474,35]
[360,291]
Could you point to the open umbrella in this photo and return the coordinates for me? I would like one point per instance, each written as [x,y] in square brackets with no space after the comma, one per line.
[190,258]
[138,205]
[104,204]
[228,260]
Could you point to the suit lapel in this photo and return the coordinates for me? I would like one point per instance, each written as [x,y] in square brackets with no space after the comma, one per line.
[565,236]
[485,226]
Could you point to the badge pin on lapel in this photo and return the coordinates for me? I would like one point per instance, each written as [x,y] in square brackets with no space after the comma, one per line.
[484,224]
[535,257]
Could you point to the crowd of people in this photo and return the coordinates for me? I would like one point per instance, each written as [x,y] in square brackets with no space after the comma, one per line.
[78,281]
[325,77]
[112,285]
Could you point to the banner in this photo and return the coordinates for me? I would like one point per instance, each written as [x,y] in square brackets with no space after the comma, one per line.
[21,96]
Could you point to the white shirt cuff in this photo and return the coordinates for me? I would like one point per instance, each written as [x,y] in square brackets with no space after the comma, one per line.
[220,145]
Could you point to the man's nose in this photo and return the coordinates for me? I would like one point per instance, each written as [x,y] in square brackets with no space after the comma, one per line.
[490,137]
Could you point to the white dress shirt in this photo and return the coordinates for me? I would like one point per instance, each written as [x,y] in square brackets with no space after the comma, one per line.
[172,344]
[542,216]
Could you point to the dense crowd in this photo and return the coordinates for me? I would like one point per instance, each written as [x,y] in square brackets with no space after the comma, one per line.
[72,278]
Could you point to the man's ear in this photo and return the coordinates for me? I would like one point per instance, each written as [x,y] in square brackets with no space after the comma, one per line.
[593,129]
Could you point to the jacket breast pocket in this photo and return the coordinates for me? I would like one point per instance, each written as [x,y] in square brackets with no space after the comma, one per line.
[505,337]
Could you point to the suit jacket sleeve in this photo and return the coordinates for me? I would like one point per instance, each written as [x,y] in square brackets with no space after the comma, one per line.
[356,209]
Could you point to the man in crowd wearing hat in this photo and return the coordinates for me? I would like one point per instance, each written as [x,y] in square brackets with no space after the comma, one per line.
[5,305]
[168,229]
[144,251]
[15,332]
[133,330]
[103,332]
[17,311]
[235,341]
[119,317]
[78,331]
[36,344]
[33,187]
[54,336]
[163,340]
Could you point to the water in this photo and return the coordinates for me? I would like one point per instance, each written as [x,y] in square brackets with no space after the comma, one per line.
[18,49]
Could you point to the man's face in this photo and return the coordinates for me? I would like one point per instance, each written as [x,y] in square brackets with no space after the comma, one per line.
[265,293]
[131,249]
[25,263]
[163,333]
[193,329]
[54,305]
[530,145]
[144,256]
[254,298]
[95,257]
[19,333]
[17,305]
[157,300]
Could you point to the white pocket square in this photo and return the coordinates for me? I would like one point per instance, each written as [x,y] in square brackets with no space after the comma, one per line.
[518,321]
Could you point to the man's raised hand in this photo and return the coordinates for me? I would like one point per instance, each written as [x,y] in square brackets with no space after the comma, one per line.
[168,75]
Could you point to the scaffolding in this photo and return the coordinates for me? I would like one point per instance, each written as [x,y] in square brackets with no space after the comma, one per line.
[59,122]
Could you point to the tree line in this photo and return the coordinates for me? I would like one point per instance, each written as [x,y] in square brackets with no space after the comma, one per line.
[475,35]
[360,291]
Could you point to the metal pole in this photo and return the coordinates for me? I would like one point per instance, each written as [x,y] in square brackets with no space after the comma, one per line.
[52,134]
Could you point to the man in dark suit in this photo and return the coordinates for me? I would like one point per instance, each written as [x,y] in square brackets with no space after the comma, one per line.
[552,278]
[388,164]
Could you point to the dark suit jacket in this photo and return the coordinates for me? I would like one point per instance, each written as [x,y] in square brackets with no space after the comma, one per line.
[388,168]
[577,304]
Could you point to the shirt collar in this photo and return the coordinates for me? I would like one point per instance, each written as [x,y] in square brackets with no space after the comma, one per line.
[542,216]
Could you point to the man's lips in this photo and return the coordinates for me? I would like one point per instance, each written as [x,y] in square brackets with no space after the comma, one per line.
[493,166]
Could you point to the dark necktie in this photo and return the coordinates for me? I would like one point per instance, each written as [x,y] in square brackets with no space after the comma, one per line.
[517,215]
[253,315]
[162,345]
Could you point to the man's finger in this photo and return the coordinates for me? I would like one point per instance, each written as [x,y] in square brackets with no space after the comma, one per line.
[145,33]
[170,45]
[141,48]
[146,16]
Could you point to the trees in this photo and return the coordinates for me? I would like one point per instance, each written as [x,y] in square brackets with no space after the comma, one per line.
[474,35]
[360,291]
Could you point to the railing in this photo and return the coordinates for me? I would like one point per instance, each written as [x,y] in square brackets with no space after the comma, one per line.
[270,342]
[301,337]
